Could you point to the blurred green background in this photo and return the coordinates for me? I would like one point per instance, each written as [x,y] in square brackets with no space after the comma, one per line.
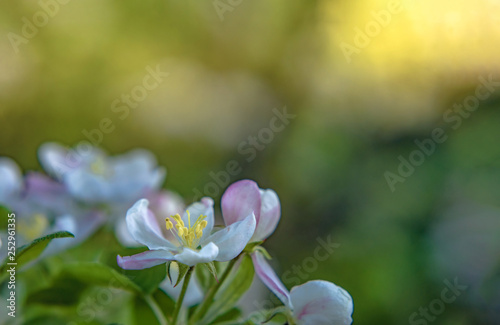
[229,64]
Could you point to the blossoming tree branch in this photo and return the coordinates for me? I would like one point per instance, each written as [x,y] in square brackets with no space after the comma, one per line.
[192,270]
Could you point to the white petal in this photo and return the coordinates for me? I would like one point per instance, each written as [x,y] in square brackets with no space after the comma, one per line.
[11,181]
[316,300]
[144,227]
[233,239]
[270,213]
[191,257]
[134,175]
[123,235]
[56,159]
[88,186]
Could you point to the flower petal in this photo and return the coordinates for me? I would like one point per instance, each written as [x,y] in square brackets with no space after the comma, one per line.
[239,200]
[316,300]
[134,175]
[270,213]
[166,203]
[45,194]
[191,257]
[123,235]
[144,260]
[144,227]
[40,183]
[204,207]
[88,186]
[270,278]
[11,180]
[233,239]
[56,159]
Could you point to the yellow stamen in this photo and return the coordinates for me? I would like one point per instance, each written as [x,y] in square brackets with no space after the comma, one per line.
[188,236]
[169,223]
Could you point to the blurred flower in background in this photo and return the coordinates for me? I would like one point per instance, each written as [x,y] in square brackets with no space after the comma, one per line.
[198,87]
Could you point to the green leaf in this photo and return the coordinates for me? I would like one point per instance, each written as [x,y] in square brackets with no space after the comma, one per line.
[279,314]
[45,320]
[232,289]
[142,312]
[229,317]
[148,279]
[99,274]
[4,221]
[263,251]
[211,268]
[205,279]
[179,268]
[62,292]
[249,248]
[31,251]
[166,303]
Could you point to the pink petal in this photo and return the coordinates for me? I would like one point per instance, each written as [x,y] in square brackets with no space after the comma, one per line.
[144,260]
[270,213]
[270,278]
[239,200]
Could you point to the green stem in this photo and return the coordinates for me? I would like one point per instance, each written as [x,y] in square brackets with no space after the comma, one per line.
[202,309]
[178,304]
[156,309]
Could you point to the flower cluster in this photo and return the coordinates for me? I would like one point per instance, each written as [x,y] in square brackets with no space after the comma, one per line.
[82,193]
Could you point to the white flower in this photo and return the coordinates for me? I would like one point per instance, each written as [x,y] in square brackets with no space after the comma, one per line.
[94,177]
[315,302]
[11,180]
[188,241]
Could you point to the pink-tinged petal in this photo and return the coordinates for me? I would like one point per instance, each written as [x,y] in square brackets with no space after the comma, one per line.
[144,227]
[144,260]
[204,207]
[316,300]
[166,203]
[270,213]
[270,278]
[40,183]
[191,257]
[233,239]
[239,200]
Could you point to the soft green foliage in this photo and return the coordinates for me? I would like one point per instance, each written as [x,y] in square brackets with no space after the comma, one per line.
[31,251]
[231,291]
